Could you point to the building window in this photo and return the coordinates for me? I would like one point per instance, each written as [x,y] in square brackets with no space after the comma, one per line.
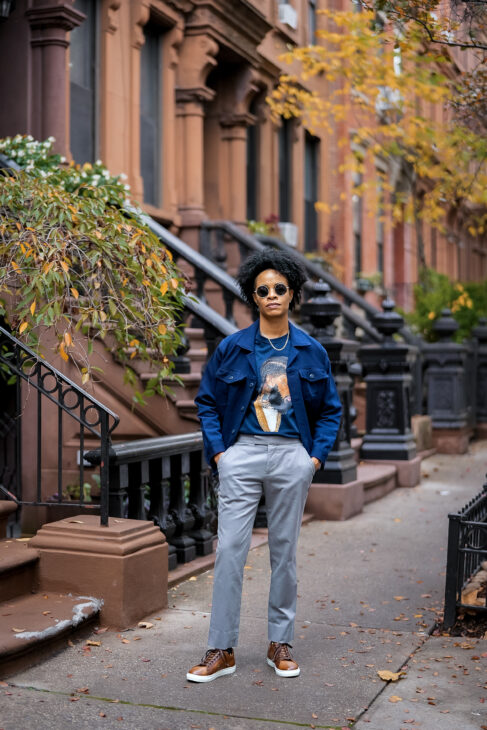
[357,224]
[312,21]
[252,165]
[285,169]
[83,62]
[311,156]
[150,114]
[380,227]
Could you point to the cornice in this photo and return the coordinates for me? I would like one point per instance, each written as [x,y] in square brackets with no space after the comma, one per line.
[236,24]
[54,16]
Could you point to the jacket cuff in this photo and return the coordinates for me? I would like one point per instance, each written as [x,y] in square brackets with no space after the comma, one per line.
[216,447]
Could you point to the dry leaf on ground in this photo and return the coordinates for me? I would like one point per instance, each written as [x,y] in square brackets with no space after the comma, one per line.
[388,676]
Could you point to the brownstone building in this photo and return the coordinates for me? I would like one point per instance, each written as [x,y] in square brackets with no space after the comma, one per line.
[172,93]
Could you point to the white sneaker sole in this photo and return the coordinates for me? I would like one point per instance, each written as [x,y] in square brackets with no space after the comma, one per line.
[283,672]
[210,677]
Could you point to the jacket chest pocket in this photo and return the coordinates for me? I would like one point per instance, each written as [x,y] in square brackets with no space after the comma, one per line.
[227,383]
[313,384]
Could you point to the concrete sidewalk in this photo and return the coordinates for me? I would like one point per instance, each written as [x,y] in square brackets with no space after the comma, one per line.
[370,589]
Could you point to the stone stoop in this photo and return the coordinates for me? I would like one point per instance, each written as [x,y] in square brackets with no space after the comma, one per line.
[33,625]
[378,479]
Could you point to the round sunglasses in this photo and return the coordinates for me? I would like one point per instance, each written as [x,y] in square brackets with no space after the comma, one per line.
[263,290]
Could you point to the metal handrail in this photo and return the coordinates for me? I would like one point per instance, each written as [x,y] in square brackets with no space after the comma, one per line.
[131,452]
[68,397]
[183,250]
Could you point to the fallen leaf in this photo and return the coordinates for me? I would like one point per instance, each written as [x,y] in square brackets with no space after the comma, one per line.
[389,676]
[93,643]
[83,690]
[125,641]
[145,625]
[70,643]
[45,613]
[18,631]
[314,715]
[193,577]
[395,698]
[399,598]
[73,699]
[101,714]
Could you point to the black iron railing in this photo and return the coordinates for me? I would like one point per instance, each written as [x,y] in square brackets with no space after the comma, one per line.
[467,549]
[166,480]
[214,234]
[43,393]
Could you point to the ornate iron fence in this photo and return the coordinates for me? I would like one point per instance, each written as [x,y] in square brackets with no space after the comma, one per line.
[467,549]
[31,375]
[166,480]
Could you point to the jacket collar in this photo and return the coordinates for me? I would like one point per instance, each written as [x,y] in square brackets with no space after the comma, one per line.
[246,337]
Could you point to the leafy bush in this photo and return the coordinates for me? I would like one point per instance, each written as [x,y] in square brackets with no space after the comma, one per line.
[72,260]
[434,292]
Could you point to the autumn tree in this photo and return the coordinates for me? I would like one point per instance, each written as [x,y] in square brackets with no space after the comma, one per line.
[397,98]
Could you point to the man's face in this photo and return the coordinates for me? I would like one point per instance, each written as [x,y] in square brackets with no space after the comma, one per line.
[272,304]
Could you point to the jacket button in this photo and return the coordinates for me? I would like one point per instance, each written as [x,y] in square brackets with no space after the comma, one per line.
[230,377]
[311,375]
[251,384]
[233,430]
[242,409]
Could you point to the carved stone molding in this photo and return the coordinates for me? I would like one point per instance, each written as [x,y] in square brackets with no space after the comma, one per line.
[50,23]
[140,13]
[175,38]
[196,59]
[235,24]
[111,16]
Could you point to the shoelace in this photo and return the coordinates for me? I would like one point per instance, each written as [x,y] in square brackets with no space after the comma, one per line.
[210,656]
[282,652]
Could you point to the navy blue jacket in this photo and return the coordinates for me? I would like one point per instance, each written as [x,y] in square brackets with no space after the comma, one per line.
[230,379]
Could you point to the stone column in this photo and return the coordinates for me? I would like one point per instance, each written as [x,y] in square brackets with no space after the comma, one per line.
[234,193]
[50,24]
[196,59]
[335,493]
[387,369]
[446,381]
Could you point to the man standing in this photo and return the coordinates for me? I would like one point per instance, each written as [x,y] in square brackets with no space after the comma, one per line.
[269,413]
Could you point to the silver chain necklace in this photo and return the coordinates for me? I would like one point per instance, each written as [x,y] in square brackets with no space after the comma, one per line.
[278,349]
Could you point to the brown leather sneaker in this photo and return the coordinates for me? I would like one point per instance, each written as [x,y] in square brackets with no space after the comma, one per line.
[280,658]
[215,663]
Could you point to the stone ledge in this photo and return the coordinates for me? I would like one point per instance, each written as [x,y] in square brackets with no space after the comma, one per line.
[335,501]
[408,473]
[452,441]
[124,564]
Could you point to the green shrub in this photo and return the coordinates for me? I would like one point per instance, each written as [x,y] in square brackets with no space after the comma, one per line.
[436,291]
[72,260]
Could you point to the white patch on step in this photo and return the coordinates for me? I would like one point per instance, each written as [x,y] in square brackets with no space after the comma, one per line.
[93,603]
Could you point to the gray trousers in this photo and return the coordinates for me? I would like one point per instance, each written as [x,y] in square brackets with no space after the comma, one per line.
[283,469]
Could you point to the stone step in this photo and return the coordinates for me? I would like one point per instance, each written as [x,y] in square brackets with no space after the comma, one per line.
[18,564]
[356,443]
[187,409]
[378,480]
[33,626]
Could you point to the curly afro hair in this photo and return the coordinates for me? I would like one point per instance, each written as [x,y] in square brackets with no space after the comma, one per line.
[270,258]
